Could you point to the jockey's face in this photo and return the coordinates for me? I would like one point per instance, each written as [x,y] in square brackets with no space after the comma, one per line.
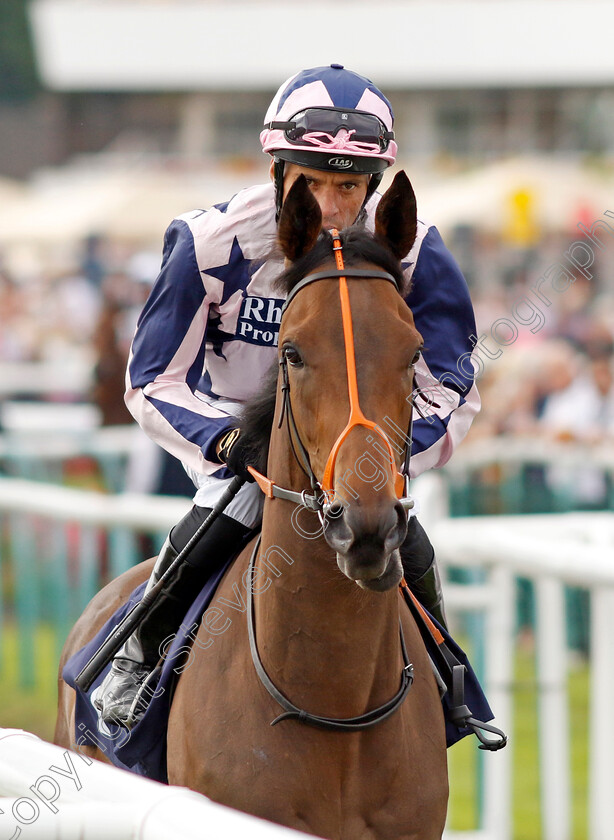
[340,195]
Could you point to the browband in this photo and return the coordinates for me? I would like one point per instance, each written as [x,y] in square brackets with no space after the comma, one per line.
[336,272]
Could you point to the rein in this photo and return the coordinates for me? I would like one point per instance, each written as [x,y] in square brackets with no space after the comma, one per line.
[292,712]
[323,493]
[322,499]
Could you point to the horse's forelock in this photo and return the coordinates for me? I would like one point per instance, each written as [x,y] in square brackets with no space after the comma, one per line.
[358,246]
[258,414]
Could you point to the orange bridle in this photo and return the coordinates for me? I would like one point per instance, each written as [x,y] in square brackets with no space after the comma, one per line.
[356,418]
[323,490]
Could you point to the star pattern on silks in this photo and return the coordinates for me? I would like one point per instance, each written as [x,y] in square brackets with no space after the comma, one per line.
[216,335]
[237,272]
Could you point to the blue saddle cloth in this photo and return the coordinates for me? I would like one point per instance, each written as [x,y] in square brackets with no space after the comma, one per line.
[143,749]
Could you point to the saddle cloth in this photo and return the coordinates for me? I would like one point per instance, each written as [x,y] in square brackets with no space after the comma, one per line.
[143,749]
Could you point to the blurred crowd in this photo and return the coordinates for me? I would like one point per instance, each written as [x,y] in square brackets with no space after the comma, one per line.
[87,309]
[87,312]
[554,380]
[557,380]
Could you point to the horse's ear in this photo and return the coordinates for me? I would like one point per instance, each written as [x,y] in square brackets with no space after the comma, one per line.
[395,217]
[300,221]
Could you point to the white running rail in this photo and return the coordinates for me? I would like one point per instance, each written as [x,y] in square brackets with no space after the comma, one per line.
[50,793]
[552,550]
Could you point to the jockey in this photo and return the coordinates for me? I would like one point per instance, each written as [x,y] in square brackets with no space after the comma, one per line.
[208,334]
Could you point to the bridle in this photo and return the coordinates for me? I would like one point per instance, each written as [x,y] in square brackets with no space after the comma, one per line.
[323,498]
[292,712]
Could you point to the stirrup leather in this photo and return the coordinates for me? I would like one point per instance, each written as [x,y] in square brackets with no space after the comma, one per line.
[452,675]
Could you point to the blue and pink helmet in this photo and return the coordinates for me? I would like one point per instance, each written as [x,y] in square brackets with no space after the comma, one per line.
[332,119]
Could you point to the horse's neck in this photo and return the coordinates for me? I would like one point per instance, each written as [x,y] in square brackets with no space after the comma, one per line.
[332,647]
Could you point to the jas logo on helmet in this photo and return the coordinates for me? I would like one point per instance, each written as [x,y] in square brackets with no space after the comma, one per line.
[341,163]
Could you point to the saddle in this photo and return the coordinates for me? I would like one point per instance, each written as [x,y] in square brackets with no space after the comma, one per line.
[142,750]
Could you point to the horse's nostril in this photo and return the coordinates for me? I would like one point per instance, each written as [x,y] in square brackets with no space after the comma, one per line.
[401,514]
[397,527]
[338,535]
[335,510]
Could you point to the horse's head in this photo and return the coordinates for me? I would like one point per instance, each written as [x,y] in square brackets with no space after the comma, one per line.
[349,394]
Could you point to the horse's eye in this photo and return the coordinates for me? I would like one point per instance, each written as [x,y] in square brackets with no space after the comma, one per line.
[292,356]
[417,356]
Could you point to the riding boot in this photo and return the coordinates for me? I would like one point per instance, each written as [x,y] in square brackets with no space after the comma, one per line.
[421,571]
[121,698]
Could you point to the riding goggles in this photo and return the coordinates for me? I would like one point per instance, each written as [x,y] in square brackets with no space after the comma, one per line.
[320,127]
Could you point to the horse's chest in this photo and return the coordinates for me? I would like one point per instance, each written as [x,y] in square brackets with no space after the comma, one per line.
[358,786]
[332,785]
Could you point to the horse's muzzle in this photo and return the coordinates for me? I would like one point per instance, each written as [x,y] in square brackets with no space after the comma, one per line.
[366,542]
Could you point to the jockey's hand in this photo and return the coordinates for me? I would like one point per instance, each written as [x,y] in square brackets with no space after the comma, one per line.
[232,450]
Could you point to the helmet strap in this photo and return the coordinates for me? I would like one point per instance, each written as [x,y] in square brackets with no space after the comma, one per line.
[278,180]
[374,182]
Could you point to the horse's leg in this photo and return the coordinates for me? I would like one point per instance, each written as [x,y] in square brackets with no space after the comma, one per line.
[388,782]
[98,611]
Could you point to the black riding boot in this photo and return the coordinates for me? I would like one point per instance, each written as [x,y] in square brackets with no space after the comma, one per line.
[121,697]
[421,572]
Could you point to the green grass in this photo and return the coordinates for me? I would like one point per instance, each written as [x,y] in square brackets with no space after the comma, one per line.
[34,710]
[464,757]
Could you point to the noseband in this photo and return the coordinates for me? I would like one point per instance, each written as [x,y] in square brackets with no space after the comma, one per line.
[323,492]
[322,499]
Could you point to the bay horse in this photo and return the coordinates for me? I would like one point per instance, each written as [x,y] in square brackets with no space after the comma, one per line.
[326,647]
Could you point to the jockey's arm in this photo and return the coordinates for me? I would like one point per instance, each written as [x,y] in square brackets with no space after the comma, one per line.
[166,358]
[448,396]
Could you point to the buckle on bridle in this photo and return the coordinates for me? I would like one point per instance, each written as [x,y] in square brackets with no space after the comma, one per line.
[408,502]
[327,502]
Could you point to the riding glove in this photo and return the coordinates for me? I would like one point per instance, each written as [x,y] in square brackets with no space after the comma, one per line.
[233,450]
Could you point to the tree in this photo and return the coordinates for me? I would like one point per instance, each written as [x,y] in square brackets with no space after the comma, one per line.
[18,78]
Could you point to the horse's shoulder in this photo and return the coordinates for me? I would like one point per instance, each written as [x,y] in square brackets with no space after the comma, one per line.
[412,632]
[236,570]
[228,604]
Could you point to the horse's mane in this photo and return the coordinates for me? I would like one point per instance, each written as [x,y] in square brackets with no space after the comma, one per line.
[256,420]
[258,414]
[358,246]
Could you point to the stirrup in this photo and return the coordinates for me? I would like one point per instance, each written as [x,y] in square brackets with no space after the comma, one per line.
[460,715]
